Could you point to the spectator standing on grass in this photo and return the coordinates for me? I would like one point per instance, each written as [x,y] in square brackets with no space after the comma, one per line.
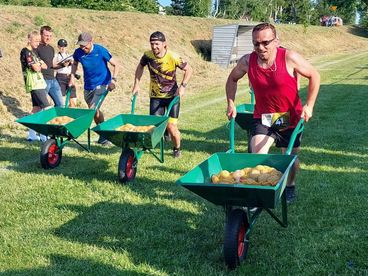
[63,74]
[46,52]
[162,65]
[97,76]
[30,60]
[272,72]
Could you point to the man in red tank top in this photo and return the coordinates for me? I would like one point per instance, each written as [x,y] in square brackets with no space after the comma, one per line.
[272,73]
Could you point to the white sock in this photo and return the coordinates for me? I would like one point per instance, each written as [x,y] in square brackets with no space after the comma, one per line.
[32,135]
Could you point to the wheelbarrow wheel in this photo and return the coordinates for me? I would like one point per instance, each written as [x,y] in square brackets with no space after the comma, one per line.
[235,242]
[127,166]
[51,154]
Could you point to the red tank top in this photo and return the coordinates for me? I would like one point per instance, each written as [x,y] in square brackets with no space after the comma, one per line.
[274,89]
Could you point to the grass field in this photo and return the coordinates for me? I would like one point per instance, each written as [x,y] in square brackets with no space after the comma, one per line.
[76,219]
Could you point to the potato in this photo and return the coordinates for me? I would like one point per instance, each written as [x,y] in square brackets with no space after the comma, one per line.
[215,179]
[247,180]
[224,174]
[254,173]
[61,120]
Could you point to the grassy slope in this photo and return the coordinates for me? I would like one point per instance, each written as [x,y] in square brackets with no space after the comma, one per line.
[125,35]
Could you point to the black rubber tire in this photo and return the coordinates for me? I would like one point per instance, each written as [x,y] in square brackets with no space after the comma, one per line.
[50,155]
[235,242]
[127,167]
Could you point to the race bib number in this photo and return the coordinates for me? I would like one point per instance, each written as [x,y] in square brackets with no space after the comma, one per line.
[279,120]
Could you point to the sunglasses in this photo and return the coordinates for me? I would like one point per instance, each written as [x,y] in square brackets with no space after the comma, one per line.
[263,43]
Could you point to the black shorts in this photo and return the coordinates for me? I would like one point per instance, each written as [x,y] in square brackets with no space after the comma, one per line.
[282,138]
[63,80]
[39,98]
[159,106]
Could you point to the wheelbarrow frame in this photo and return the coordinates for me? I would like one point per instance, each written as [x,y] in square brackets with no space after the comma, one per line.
[244,117]
[60,135]
[134,144]
[245,202]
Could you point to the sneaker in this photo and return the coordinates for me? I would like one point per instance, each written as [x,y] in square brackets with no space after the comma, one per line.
[290,194]
[32,136]
[103,141]
[43,138]
[176,153]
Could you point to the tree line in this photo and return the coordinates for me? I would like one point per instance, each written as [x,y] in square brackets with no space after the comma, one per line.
[306,12]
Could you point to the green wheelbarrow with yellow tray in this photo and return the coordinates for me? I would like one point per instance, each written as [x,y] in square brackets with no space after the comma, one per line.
[243,202]
[134,141]
[60,134]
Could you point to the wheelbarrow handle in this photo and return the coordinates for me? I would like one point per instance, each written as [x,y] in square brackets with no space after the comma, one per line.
[100,100]
[174,101]
[134,99]
[252,100]
[232,135]
[68,92]
[298,129]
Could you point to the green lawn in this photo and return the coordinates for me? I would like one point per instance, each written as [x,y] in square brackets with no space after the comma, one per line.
[77,219]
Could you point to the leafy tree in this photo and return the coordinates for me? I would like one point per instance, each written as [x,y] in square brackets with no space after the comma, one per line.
[40,3]
[148,6]
[200,8]
[178,7]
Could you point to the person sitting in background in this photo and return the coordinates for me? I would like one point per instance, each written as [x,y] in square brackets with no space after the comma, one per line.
[64,60]
[30,60]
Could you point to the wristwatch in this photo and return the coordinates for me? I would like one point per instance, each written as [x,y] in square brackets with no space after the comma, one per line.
[184,84]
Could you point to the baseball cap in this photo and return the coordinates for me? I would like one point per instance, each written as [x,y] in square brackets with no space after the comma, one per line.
[157,36]
[62,43]
[84,39]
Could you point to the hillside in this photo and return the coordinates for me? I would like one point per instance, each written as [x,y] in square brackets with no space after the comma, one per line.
[125,35]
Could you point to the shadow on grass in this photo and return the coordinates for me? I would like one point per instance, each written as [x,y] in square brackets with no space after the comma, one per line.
[203,48]
[12,105]
[61,265]
[358,31]
[151,233]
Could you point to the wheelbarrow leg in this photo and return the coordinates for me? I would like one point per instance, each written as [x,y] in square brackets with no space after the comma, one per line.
[89,139]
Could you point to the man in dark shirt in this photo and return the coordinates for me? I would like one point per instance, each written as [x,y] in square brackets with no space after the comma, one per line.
[46,52]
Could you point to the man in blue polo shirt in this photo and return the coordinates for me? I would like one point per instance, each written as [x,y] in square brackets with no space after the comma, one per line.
[97,76]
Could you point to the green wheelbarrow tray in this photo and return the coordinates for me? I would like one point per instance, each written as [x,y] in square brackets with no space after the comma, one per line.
[38,121]
[198,180]
[244,116]
[147,140]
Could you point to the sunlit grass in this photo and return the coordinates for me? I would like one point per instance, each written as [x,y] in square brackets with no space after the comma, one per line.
[77,219]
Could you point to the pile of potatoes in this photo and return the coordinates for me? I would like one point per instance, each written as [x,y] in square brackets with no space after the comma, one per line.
[61,120]
[133,128]
[259,175]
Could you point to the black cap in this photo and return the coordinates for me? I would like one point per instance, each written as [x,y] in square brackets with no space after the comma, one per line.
[62,43]
[157,36]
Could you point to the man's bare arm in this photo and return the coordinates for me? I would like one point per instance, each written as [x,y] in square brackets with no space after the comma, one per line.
[236,74]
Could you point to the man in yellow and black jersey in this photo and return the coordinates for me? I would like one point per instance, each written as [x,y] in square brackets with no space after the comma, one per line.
[162,65]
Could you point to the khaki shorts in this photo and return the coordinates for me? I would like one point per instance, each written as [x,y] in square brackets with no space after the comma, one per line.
[92,96]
